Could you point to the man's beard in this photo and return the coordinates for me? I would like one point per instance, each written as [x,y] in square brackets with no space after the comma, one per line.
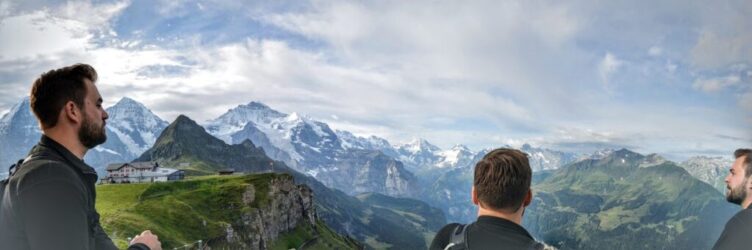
[90,135]
[737,194]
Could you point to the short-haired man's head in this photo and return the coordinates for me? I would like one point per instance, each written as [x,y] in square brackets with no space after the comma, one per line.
[747,154]
[736,184]
[52,90]
[502,179]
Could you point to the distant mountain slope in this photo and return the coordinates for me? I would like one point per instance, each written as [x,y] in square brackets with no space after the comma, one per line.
[633,201]
[19,131]
[419,215]
[711,170]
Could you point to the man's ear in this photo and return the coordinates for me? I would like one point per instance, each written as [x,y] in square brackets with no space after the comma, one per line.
[72,112]
[474,196]
[528,198]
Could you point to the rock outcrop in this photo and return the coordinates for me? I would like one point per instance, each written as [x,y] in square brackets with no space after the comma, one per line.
[267,213]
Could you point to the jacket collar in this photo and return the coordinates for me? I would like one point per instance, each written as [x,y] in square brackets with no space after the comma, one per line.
[66,154]
[505,224]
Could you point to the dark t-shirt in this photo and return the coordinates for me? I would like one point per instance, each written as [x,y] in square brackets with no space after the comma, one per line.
[488,233]
[738,232]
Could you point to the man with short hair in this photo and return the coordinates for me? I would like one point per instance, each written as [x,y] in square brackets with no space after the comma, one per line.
[738,229]
[501,190]
[49,200]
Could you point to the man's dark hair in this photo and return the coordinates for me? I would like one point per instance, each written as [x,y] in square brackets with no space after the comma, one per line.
[502,179]
[747,160]
[52,90]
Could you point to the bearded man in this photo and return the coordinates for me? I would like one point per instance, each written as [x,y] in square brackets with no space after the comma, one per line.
[49,199]
[738,230]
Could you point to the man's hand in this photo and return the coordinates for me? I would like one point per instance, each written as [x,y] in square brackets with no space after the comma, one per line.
[148,239]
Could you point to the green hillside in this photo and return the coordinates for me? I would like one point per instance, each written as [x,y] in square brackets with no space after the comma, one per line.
[620,202]
[184,212]
[416,214]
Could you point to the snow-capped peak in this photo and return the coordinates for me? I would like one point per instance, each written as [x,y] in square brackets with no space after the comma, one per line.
[130,115]
[349,140]
[379,142]
[134,124]
[20,106]
[236,118]
[418,145]
[294,118]
[460,147]
[457,156]
[21,117]
[127,101]
[600,154]
[257,106]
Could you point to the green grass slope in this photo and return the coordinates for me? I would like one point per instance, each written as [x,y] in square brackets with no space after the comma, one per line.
[184,212]
[620,203]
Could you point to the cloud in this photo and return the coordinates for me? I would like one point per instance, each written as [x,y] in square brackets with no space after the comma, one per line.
[481,73]
[608,66]
[733,138]
[745,101]
[714,50]
[716,84]
[4,8]
[39,33]
[473,42]
[671,67]
[655,51]
[724,38]
[74,26]
[577,139]
[95,16]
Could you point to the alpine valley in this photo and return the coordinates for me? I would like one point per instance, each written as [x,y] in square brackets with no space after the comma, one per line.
[354,191]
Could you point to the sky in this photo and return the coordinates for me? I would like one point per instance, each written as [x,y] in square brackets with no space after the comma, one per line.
[669,77]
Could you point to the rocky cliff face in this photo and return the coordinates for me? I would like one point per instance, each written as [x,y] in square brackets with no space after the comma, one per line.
[361,171]
[269,213]
[711,170]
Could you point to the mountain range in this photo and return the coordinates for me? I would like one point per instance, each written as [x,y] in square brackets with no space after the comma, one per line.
[367,187]
[378,222]
[312,147]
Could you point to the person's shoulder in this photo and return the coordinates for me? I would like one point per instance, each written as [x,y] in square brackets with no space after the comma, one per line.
[741,220]
[449,227]
[443,236]
[42,171]
[744,216]
[735,234]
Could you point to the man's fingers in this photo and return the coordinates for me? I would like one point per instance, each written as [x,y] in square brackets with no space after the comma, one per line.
[146,232]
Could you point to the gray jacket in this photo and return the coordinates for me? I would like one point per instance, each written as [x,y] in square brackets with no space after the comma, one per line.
[737,233]
[49,203]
